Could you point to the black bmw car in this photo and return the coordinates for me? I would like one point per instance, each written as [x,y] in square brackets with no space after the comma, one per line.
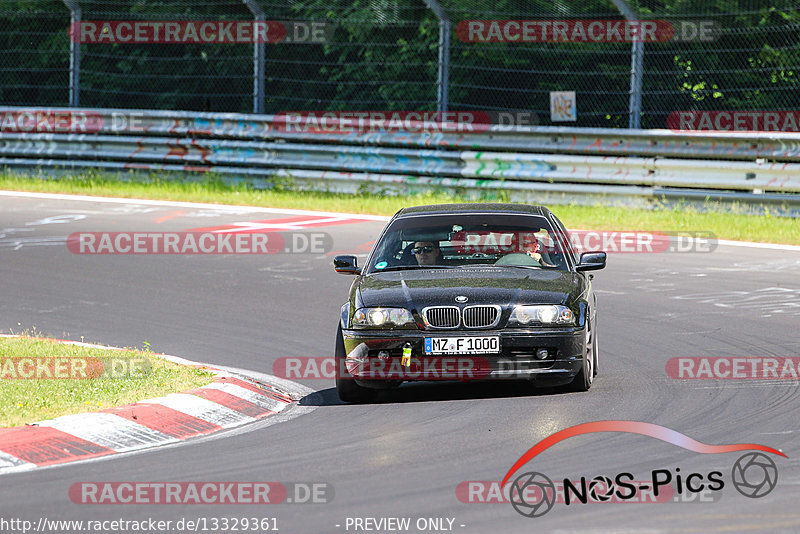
[466,292]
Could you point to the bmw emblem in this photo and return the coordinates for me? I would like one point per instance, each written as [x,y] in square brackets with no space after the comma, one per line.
[461,299]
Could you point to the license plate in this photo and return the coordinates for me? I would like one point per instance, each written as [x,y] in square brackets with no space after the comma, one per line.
[462,345]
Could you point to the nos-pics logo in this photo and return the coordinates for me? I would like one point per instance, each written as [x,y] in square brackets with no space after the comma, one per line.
[533,494]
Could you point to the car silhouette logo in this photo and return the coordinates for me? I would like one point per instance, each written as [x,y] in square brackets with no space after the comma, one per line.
[461,299]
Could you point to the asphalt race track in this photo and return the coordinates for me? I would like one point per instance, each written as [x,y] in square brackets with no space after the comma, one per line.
[406,455]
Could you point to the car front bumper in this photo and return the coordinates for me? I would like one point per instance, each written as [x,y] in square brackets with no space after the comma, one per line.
[375,358]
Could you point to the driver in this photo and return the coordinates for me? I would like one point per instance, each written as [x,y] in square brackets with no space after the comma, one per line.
[533,249]
[427,253]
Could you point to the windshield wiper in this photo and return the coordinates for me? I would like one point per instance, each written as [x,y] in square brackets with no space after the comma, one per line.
[536,267]
[405,267]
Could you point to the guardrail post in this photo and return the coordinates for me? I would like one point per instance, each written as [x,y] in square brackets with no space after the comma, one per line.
[74,53]
[443,81]
[637,69]
[259,60]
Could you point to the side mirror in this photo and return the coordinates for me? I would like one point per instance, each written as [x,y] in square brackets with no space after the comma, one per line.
[591,261]
[346,265]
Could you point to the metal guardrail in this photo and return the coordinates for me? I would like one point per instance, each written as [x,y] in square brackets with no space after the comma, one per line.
[775,146]
[574,164]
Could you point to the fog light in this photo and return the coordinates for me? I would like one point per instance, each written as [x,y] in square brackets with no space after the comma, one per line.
[383,355]
[541,354]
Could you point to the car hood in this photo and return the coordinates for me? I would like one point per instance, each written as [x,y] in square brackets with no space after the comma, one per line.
[416,289]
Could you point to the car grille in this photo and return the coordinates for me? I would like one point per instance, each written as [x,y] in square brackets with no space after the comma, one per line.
[481,316]
[442,316]
[452,316]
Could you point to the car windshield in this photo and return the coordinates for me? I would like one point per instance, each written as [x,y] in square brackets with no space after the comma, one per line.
[469,241]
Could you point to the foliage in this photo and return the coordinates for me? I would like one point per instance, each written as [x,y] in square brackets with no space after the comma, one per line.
[384,55]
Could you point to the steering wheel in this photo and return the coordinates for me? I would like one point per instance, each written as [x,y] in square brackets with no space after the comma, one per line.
[517,258]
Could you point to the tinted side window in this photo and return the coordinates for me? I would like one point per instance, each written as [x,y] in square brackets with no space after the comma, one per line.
[567,238]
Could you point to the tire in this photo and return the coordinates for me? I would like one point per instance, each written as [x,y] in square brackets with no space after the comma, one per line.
[595,350]
[583,380]
[346,387]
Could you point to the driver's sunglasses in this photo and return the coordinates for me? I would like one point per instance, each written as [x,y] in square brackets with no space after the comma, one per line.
[427,249]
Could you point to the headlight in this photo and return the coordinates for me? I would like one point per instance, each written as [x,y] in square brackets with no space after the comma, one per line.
[372,317]
[543,314]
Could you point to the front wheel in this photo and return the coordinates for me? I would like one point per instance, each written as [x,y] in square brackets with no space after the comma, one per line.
[346,387]
[595,352]
[583,380]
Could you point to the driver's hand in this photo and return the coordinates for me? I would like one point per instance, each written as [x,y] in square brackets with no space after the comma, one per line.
[535,255]
[538,257]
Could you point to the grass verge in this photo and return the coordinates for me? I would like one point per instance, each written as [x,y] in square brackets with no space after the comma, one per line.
[735,226]
[89,379]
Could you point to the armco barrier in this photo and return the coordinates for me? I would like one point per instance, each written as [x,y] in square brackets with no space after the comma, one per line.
[542,163]
[775,146]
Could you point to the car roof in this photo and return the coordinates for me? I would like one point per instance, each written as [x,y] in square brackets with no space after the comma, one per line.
[477,207]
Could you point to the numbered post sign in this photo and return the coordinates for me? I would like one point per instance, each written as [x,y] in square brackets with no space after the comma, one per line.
[563,107]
